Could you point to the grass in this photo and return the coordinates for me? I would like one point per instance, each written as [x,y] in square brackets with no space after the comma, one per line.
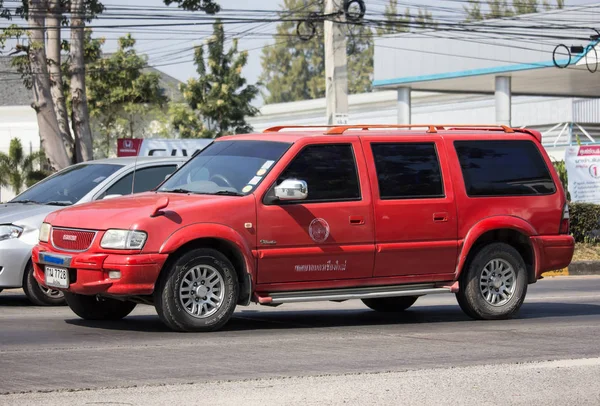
[586,252]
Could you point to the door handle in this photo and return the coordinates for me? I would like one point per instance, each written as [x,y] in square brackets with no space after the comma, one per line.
[440,217]
[357,220]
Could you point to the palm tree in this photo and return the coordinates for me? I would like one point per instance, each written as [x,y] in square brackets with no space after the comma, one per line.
[16,169]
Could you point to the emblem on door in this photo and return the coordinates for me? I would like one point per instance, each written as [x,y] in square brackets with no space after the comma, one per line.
[318,230]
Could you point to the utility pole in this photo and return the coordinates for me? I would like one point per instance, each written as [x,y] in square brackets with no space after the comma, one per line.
[336,64]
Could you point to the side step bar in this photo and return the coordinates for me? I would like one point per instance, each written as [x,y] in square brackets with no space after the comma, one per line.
[353,293]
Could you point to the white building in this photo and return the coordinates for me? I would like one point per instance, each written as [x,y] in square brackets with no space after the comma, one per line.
[475,76]
[560,119]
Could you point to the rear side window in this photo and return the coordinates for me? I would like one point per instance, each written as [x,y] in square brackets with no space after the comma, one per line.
[145,179]
[501,168]
[407,170]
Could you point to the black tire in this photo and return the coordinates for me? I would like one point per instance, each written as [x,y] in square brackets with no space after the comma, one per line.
[97,308]
[39,295]
[470,296]
[169,304]
[390,304]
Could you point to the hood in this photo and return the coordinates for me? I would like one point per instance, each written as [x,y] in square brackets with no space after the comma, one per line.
[123,212]
[21,212]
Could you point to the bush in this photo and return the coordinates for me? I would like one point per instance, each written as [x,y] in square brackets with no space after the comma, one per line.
[561,169]
[585,222]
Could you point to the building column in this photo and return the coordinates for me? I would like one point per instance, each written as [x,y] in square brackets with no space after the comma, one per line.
[503,102]
[404,105]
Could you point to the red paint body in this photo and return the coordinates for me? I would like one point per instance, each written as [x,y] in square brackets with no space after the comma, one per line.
[370,241]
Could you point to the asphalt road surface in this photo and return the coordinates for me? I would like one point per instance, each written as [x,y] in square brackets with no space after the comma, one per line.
[318,353]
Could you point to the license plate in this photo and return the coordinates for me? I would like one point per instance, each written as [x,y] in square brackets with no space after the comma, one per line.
[57,277]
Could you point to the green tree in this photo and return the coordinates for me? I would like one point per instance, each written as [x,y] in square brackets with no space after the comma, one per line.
[40,54]
[219,99]
[293,69]
[501,8]
[393,22]
[121,95]
[17,169]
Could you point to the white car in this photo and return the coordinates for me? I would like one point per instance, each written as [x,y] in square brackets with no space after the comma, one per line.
[21,218]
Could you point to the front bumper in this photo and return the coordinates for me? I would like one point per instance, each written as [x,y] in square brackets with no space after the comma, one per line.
[88,272]
[14,255]
[553,252]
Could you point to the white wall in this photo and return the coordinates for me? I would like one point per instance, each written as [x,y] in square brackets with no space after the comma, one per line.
[17,122]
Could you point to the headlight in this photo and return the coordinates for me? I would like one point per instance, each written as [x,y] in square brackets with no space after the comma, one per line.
[45,232]
[8,232]
[123,240]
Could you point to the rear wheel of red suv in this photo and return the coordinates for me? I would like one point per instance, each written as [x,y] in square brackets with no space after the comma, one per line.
[494,284]
[98,308]
[198,292]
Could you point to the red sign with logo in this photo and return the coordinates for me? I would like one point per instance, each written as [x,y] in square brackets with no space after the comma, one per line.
[128,146]
[589,150]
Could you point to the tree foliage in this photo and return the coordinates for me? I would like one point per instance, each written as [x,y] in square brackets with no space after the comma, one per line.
[120,93]
[17,169]
[219,99]
[30,56]
[502,9]
[293,69]
[395,22]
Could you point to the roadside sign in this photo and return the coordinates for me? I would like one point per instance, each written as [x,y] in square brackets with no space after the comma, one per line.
[583,170]
[160,147]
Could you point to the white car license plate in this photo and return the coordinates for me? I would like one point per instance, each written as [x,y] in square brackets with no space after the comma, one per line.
[57,277]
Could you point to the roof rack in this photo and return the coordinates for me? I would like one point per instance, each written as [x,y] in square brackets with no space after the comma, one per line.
[431,128]
[338,130]
[278,128]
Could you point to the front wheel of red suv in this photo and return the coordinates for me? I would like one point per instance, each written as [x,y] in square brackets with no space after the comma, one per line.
[98,308]
[198,292]
[494,284]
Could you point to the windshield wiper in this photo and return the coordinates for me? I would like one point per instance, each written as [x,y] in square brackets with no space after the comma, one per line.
[23,201]
[227,193]
[178,190]
[60,203]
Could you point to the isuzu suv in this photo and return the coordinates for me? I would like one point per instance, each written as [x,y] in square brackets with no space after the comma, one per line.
[384,214]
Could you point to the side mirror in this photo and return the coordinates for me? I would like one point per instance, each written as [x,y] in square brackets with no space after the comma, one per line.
[110,196]
[292,189]
[168,176]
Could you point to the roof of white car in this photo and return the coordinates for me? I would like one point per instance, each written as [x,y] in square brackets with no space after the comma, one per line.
[130,160]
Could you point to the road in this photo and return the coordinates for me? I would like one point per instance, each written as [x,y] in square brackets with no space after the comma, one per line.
[318,353]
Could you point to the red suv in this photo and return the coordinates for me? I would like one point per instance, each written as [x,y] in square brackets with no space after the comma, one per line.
[384,214]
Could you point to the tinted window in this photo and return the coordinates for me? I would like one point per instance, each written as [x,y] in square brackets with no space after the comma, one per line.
[145,179]
[499,168]
[232,166]
[407,170]
[69,185]
[329,171]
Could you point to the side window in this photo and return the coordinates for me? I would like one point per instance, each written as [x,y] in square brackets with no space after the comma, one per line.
[503,168]
[329,170]
[145,179]
[407,170]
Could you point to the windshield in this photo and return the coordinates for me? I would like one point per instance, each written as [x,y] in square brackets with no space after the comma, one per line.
[226,167]
[69,185]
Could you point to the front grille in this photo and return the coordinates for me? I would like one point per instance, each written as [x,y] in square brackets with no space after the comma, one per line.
[72,240]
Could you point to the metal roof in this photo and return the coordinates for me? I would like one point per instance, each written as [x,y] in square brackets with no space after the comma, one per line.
[466,61]
[131,160]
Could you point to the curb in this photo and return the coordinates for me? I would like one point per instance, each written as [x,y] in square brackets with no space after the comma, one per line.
[578,268]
